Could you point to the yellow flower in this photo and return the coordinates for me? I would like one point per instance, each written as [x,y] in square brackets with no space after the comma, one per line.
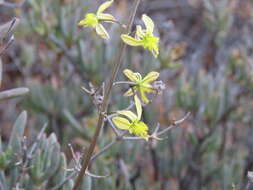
[131,121]
[94,20]
[143,85]
[144,37]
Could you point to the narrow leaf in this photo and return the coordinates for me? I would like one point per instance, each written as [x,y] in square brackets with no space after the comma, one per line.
[18,132]
[13,93]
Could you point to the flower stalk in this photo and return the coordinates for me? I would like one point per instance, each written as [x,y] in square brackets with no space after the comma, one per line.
[116,65]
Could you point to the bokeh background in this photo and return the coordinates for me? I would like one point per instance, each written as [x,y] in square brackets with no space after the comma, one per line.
[206,62]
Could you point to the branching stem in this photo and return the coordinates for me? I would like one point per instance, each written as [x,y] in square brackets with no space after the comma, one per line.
[117,63]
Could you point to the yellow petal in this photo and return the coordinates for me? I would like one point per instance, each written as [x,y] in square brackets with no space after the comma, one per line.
[155,52]
[106,17]
[121,123]
[142,126]
[148,23]
[146,85]
[138,107]
[140,129]
[130,130]
[129,92]
[102,32]
[90,20]
[82,23]
[128,114]
[138,75]
[150,77]
[131,75]
[130,40]
[143,96]
[104,6]
[139,32]
[148,89]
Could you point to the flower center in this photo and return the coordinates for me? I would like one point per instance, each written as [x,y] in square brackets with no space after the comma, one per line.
[91,20]
[138,129]
[150,41]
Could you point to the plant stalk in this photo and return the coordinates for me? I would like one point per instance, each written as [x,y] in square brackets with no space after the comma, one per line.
[116,65]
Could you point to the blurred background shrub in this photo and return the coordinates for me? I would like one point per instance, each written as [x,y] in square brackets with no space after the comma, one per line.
[206,60]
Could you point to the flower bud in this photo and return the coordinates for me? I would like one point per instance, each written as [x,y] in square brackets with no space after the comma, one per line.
[159,86]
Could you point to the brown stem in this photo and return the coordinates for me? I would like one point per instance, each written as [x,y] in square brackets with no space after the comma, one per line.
[116,66]
[155,162]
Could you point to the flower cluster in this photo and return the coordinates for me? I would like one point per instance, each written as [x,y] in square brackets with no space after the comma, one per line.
[140,86]
[94,20]
[131,121]
[143,37]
